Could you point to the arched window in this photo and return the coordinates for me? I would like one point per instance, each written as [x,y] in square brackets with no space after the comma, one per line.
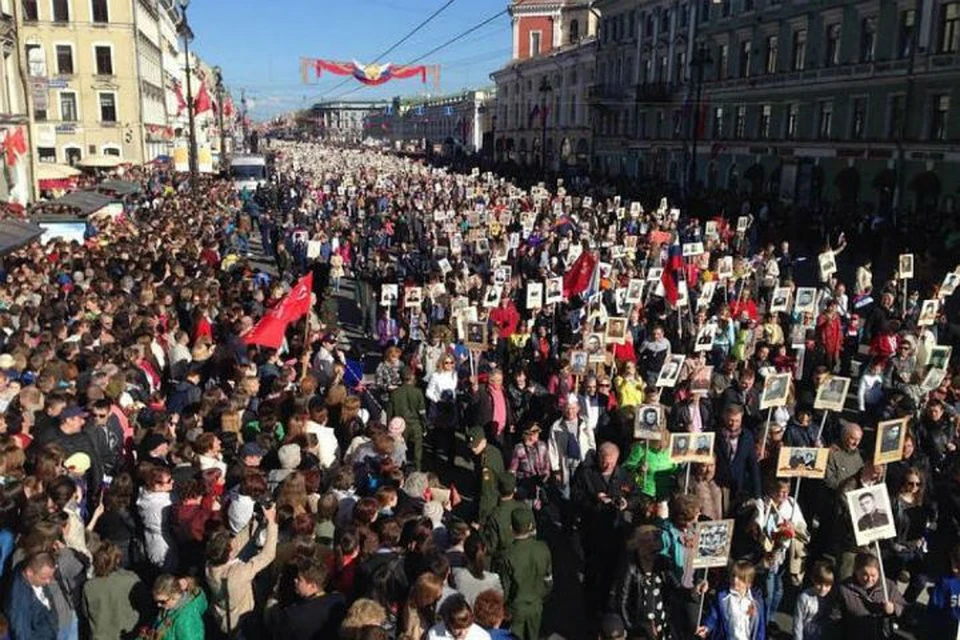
[574,31]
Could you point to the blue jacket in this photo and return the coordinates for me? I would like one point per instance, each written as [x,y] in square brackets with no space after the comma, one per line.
[943,611]
[741,474]
[717,618]
[29,619]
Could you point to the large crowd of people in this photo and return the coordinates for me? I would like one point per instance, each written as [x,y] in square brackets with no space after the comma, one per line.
[509,401]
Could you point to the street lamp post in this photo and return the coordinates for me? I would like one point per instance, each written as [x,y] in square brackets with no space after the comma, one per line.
[218,74]
[545,90]
[493,134]
[187,35]
[700,59]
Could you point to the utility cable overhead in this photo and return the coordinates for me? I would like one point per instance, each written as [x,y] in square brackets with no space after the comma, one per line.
[397,44]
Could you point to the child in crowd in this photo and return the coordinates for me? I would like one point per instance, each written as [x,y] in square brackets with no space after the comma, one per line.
[811,618]
[943,611]
[737,611]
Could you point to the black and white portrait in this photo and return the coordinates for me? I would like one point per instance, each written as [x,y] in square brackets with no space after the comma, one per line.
[891,435]
[906,266]
[870,514]
[776,387]
[712,543]
[670,371]
[832,394]
[648,422]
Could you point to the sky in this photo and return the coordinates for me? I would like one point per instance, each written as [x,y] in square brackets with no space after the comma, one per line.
[259,45]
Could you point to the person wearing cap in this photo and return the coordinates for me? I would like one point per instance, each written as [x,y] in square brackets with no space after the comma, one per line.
[251,455]
[325,359]
[71,435]
[526,573]
[489,465]
[530,463]
[407,402]
[496,530]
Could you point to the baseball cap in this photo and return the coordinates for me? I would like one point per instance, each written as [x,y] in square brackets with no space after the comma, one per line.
[252,449]
[73,412]
[329,337]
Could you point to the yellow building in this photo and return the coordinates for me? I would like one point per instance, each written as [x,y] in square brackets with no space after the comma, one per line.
[82,66]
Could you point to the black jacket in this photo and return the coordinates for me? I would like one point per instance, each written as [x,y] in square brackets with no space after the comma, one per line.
[315,618]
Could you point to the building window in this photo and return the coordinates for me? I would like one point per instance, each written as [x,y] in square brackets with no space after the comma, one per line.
[725,8]
[799,49]
[535,43]
[895,117]
[61,10]
[684,16]
[745,59]
[104,57]
[649,27]
[908,21]
[740,122]
[663,77]
[718,122]
[704,15]
[793,115]
[938,117]
[763,126]
[950,28]
[868,38]
[825,121]
[679,67]
[68,106]
[108,107]
[659,132]
[642,124]
[665,21]
[723,53]
[748,5]
[101,13]
[112,151]
[831,56]
[64,59]
[773,51]
[858,119]
[47,154]
[31,14]
[574,31]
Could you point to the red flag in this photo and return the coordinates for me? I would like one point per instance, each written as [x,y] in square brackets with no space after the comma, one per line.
[202,102]
[672,273]
[227,108]
[14,146]
[578,277]
[270,331]
[181,103]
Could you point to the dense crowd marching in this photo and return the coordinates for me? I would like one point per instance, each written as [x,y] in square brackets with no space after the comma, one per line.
[556,365]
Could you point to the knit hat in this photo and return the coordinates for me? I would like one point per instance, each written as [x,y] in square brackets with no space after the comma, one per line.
[289,455]
[239,513]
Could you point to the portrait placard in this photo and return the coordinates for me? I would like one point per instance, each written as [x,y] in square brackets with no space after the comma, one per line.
[832,394]
[712,540]
[802,462]
[891,435]
[692,447]
[776,388]
[670,371]
[870,514]
[648,422]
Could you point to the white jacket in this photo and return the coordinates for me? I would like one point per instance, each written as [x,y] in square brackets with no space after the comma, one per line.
[558,446]
[155,509]
[328,449]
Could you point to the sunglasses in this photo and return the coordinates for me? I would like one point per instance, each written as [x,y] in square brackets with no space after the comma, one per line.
[911,483]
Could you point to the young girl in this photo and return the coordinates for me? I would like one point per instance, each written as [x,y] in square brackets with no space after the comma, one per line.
[812,615]
[737,612]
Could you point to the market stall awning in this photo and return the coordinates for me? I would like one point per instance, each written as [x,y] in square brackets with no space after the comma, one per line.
[83,203]
[17,233]
[119,188]
[56,176]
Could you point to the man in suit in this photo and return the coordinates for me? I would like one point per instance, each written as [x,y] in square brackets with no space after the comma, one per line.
[872,517]
[737,469]
[593,407]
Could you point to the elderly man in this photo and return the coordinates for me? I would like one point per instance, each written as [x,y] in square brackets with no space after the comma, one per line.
[845,460]
[602,491]
[568,444]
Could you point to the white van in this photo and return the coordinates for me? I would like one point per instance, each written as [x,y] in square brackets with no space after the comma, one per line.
[248,172]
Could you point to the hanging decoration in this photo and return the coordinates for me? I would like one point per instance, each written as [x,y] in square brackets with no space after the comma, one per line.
[371,75]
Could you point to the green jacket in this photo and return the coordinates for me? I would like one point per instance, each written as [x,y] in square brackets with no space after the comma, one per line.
[186,621]
[491,468]
[527,573]
[109,604]
[497,530]
[659,476]
[407,402]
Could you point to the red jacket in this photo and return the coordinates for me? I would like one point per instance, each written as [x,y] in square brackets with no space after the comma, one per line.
[505,318]
[830,334]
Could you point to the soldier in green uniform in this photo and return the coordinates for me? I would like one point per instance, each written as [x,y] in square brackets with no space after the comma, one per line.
[489,467]
[497,530]
[527,576]
[407,402]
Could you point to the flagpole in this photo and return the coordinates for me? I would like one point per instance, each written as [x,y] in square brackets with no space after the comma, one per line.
[306,346]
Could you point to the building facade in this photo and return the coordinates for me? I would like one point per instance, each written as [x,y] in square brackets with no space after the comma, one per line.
[787,98]
[82,64]
[16,181]
[542,92]
[447,124]
[345,121]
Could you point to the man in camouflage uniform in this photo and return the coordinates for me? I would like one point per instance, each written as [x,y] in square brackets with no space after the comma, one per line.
[497,529]
[527,576]
[489,467]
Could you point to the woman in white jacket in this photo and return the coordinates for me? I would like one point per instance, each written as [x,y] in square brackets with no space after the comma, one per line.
[155,506]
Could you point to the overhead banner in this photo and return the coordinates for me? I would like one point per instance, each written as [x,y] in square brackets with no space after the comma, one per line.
[369,74]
